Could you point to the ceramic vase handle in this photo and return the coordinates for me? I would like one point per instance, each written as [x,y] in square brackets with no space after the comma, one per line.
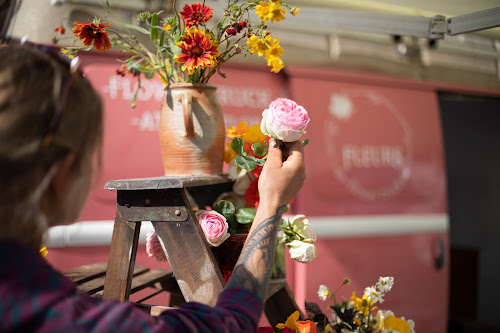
[187,109]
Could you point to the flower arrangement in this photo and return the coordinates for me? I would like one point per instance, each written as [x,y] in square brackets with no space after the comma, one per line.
[233,212]
[188,47]
[354,316]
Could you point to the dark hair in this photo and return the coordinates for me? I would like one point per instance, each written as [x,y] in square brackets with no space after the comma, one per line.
[27,105]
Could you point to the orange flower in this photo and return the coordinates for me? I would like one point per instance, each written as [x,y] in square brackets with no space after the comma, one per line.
[237,132]
[196,13]
[60,30]
[198,50]
[299,326]
[93,32]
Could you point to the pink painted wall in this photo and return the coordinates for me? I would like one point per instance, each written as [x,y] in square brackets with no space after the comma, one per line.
[394,116]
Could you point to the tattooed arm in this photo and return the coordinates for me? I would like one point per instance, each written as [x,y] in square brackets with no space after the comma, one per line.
[280,180]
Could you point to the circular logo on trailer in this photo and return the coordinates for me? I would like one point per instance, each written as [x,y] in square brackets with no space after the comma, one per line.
[368,144]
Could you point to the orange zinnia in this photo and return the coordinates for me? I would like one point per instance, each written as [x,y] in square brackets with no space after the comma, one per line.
[196,13]
[93,32]
[198,50]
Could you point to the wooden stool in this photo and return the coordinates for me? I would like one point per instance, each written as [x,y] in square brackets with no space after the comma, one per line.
[164,201]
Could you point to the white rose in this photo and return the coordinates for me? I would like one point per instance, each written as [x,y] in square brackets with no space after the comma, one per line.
[300,224]
[301,251]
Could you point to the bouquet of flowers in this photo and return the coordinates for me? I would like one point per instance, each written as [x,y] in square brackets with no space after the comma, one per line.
[187,46]
[356,315]
[233,212]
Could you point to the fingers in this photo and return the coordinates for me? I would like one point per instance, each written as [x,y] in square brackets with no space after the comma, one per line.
[296,155]
[274,155]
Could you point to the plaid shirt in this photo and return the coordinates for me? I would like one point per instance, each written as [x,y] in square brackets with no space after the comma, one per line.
[36,298]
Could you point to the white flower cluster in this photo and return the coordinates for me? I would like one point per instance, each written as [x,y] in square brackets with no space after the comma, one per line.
[299,236]
[376,292]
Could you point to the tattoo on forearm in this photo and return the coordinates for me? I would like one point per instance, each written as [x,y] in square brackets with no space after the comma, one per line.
[253,269]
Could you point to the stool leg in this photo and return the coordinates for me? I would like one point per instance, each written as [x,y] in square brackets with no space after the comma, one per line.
[121,261]
[281,305]
[192,261]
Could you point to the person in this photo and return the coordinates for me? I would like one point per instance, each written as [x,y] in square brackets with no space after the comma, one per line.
[51,124]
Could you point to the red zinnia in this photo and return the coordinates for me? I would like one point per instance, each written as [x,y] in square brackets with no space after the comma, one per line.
[196,13]
[93,32]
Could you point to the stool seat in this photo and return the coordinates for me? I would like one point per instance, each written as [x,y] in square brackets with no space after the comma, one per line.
[90,279]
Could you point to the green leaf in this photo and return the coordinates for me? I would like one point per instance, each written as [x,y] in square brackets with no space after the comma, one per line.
[226,208]
[154,29]
[245,215]
[306,141]
[135,27]
[162,38]
[245,163]
[258,149]
[238,146]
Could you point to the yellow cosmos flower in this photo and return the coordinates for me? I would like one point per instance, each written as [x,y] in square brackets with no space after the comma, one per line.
[258,45]
[168,27]
[276,63]
[276,12]
[275,50]
[237,132]
[396,324]
[262,10]
[295,11]
[254,134]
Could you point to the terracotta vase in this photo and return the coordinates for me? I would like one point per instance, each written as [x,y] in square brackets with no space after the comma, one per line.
[192,132]
[229,251]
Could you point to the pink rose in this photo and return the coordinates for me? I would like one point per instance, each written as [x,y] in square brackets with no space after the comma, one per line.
[154,248]
[284,120]
[214,226]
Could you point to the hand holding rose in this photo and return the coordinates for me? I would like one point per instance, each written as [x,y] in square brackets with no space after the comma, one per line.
[284,120]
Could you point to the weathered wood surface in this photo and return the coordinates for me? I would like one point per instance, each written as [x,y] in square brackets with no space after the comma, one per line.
[196,270]
[164,182]
[121,262]
[97,283]
[149,279]
[87,272]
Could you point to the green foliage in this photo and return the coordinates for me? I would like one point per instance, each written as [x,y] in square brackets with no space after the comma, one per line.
[245,215]
[225,208]
[238,146]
